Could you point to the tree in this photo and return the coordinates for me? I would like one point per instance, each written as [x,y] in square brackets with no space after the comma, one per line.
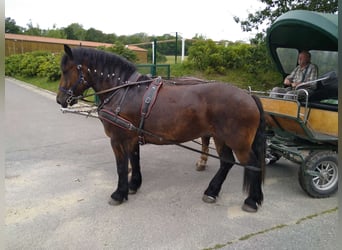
[94,35]
[12,27]
[55,32]
[275,8]
[135,38]
[122,50]
[33,31]
[110,38]
[75,31]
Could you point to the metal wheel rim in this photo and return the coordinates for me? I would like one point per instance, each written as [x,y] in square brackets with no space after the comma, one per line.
[327,175]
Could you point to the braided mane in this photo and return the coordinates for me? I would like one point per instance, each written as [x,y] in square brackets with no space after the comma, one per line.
[101,61]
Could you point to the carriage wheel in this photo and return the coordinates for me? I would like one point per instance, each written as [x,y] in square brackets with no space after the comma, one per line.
[318,175]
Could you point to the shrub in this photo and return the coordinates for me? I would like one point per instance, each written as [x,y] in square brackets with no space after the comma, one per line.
[41,64]
[251,59]
[122,50]
[11,65]
[51,67]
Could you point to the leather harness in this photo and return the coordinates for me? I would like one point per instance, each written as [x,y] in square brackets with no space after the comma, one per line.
[148,100]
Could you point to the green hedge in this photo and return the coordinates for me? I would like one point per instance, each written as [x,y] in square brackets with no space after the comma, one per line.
[251,60]
[34,64]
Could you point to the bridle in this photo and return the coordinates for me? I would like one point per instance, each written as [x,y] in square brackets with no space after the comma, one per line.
[70,91]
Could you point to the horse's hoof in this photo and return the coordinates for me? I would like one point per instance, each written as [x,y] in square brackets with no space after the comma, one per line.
[200,166]
[249,209]
[131,191]
[113,202]
[208,199]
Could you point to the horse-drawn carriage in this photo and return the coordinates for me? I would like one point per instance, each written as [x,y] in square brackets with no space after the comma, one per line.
[305,130]
[132,114]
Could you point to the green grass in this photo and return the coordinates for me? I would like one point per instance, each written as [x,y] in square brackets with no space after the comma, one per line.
[171,59]
[239,78]
[44,83]
[41,82]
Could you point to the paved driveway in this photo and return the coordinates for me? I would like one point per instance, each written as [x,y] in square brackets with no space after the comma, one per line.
[60,172]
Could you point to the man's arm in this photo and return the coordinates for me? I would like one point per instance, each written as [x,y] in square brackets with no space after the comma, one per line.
[289,79]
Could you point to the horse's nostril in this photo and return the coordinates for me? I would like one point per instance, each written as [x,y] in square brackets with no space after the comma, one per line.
[63,104]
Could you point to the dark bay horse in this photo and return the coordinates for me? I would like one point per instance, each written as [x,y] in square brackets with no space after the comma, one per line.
[137,109]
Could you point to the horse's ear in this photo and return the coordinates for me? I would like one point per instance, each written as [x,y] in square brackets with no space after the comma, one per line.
[68,51]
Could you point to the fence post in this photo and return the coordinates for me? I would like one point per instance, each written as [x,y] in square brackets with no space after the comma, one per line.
[154,69]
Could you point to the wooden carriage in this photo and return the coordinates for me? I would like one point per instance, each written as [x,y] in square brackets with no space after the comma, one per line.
[305,130]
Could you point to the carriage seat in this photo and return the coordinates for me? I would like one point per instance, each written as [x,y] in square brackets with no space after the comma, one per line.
[326,90]
[324,106]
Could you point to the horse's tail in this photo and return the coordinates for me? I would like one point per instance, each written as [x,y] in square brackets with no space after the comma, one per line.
[259,143]
[253,180]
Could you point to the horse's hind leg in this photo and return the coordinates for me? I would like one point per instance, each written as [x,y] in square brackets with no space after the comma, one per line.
[136,179]
[201,164]
[215,184]
[252,184]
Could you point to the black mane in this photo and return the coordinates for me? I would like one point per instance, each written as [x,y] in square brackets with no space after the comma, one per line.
[100,61]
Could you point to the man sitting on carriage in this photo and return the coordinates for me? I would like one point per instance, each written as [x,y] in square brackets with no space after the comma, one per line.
[304,72]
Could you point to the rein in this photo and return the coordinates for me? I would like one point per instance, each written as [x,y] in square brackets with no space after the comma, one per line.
[128,84]
[219,158]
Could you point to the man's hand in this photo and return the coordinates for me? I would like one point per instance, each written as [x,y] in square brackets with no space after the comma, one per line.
[287,82]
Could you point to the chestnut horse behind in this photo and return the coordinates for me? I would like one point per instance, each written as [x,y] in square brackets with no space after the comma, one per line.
[135,108]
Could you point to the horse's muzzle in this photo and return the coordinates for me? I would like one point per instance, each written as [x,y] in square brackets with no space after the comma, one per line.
[65,100]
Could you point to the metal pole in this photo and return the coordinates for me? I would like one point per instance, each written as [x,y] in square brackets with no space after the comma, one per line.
[154,73]
[176,47]
[153,52]
[183,48]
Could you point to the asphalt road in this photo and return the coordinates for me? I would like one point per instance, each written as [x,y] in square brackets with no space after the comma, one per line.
[60,172]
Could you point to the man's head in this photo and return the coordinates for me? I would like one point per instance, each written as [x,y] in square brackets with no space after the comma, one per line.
[304,58]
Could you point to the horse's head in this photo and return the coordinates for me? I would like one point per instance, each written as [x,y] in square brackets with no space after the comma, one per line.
[73,82]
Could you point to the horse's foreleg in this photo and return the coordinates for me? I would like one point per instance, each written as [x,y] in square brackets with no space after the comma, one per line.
[135,180]
[121,156]
[215,184]
[201,164]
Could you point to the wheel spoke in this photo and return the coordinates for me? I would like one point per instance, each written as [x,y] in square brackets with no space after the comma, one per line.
[316,180]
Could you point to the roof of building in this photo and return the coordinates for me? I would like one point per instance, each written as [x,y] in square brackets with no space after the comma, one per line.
[41,39]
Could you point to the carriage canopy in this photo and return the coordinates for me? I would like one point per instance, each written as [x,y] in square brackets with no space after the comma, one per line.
[304,30]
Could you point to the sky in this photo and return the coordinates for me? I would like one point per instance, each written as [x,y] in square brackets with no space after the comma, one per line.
[211,19]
